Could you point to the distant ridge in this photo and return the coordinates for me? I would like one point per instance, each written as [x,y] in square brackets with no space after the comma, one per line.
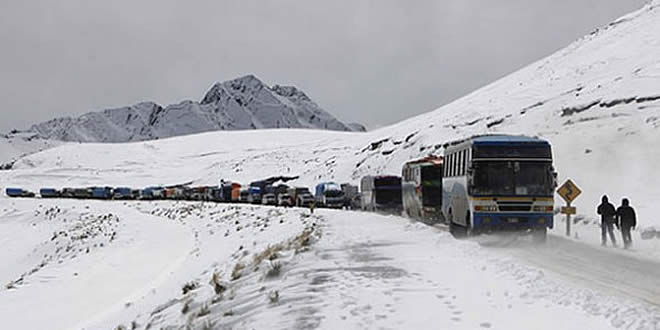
[238,104]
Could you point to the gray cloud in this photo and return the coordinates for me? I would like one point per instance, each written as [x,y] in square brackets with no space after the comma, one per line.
[375,62]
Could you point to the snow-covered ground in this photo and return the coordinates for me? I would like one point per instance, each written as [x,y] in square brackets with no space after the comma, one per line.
[15,146]
[597,102]
[100,265]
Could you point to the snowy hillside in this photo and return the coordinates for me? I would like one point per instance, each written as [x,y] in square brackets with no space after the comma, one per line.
[597,101]
[16,145]
[242,103]
[86,264]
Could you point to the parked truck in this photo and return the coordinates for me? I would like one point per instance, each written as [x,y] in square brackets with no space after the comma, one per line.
[254,195]
[329,194]
[18,192]
[122,193]
[351,196]
[49,193]
[101,192]
[301,196]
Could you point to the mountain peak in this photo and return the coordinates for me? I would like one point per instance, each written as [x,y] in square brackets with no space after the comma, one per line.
[290,91]
[242,103]
[248,83]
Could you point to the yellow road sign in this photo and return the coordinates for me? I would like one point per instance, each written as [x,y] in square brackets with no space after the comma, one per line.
[568,210]
[569,191]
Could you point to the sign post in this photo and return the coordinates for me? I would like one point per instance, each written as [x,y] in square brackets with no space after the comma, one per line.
[569,192]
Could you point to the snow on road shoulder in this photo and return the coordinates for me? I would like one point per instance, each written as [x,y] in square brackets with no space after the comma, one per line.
[77,260]
[227,238]
[207,265]
[96,264]
[363,271]
[586,230]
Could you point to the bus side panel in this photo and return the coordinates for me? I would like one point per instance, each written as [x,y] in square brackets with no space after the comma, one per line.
[411,203]
[455,200]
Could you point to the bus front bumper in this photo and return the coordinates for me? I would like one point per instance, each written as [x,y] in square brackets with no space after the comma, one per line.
[511,221]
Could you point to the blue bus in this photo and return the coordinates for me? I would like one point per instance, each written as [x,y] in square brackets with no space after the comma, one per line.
[499,182]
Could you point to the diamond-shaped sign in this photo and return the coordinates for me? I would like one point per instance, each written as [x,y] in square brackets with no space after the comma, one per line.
[569,191]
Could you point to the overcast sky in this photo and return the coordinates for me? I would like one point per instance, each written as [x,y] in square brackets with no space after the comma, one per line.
[374,62]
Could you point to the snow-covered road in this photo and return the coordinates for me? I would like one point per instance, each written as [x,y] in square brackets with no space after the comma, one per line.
[616,272]
[361,270]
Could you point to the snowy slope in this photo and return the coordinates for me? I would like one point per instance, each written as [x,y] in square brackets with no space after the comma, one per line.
[97,264]
[180,265]
[597,101]
[242,103]
[16,145]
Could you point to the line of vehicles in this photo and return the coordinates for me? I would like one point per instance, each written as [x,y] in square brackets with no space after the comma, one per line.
[480,184]
[271,191]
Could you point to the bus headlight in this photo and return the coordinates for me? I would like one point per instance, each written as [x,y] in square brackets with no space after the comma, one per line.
[486,208]
[542,208]
[541,221]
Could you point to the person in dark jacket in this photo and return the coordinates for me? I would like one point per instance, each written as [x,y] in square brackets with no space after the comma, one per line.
[627,220]
[607,220]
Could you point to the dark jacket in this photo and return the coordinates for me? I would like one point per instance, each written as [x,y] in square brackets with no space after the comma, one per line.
[626,216]
[607,212]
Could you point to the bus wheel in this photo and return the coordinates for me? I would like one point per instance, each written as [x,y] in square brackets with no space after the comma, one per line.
[455,230]
[468,225]
[540,235]
[450,222]
[458,231]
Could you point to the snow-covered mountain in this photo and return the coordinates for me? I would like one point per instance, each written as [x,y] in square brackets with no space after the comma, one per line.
[15,145]
[174,264]
[242,103]
[597,101]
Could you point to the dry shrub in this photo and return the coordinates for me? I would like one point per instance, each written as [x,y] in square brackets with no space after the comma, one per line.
[274,269]
[190,286]
[237,272]
[204,310]
[274,297]
[218,286]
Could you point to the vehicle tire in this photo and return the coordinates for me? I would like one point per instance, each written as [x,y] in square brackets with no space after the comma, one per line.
[540,235]
[450,223]
[468,225]
[458,231]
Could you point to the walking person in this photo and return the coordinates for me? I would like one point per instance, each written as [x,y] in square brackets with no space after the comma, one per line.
[627,220]
[607,220]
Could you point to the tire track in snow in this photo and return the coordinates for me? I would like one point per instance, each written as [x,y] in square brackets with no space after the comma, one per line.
[595,267]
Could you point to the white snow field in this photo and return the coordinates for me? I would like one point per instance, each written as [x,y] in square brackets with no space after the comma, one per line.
[95,265]
[15,146]
[182,265]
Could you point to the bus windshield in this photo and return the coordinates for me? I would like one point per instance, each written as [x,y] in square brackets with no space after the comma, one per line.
[510,178]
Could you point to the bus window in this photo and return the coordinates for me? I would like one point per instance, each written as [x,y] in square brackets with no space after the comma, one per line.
[451,165]
[460,163]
